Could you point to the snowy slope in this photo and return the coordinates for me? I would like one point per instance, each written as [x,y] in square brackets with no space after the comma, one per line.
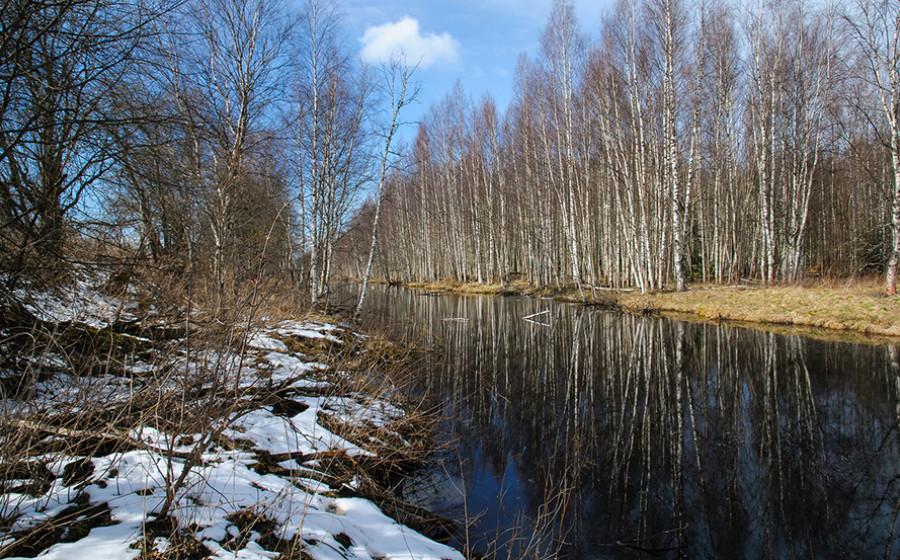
[227,505]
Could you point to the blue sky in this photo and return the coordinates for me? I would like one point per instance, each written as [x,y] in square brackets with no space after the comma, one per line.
[475,41]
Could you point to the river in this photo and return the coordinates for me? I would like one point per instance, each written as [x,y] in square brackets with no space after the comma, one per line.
[573,432]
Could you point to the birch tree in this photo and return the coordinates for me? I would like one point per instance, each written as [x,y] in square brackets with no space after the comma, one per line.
[875,25]
[400,93]
[332,162]
[563,50]
[722,127]
[809,85]
[226,83]
[766,44]
[669,33]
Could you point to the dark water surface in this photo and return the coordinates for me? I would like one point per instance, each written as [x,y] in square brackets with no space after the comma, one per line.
[588,434]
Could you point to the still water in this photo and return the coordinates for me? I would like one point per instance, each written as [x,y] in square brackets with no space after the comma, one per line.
[578,433]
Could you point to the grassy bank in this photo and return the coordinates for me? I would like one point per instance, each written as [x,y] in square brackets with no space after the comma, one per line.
[859,309]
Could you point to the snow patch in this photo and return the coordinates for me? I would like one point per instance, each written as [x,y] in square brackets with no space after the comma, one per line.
[224,483]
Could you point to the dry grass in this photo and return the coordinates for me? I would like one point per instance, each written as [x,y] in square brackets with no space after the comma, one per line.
[854,308]
[197,403]
[517,287]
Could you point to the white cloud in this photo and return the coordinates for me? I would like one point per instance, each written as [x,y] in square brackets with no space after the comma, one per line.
[403,38]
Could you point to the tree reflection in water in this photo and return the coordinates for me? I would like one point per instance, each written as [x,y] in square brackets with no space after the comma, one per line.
[602,435]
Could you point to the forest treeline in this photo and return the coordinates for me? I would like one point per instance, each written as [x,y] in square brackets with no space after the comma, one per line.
[210,144]
[218,144]
[682,141]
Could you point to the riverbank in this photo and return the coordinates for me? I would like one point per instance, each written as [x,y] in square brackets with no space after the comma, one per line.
[129,434]
[858,310]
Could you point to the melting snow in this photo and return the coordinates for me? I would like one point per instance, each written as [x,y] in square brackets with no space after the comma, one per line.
[133,483]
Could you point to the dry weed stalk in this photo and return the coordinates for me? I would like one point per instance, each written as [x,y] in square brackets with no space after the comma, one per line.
[192,386]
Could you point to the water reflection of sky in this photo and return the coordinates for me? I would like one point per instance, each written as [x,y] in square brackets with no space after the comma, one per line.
[611,436]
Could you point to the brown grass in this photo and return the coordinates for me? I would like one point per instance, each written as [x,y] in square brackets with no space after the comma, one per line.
[855,308]
[518,287]
[849,308]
